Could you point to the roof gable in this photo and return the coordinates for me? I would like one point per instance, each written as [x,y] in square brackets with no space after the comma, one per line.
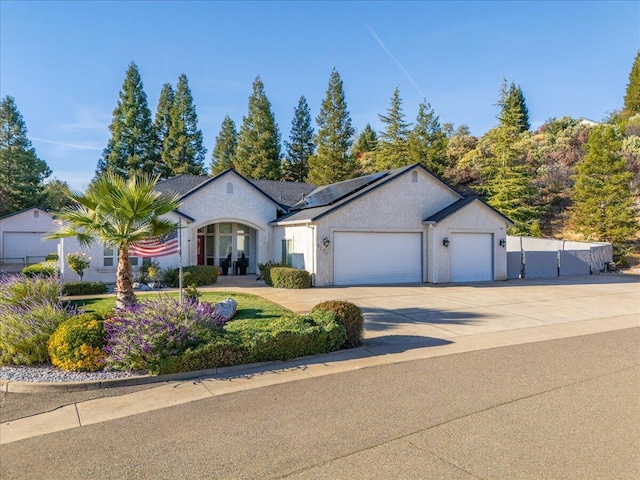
[459,205]
[283,194]
[368,183]
[25,211]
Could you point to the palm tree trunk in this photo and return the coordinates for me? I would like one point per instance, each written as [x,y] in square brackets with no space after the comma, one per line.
[124,280]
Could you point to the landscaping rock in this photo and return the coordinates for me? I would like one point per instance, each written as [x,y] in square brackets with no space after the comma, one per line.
[141,286]
[226,308]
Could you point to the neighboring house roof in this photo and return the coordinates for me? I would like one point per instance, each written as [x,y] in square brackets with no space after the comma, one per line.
[456,207]
[284,194]
[23,211]
[329,198]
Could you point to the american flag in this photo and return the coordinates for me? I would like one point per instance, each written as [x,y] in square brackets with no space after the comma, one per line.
[156,247]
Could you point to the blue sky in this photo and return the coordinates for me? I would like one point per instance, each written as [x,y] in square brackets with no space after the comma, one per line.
[64,62]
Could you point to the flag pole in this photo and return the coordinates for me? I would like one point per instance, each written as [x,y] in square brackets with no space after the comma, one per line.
[180,258]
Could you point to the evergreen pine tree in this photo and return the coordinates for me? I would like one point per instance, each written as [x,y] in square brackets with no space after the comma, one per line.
[224,153]
[603,208]
[21,171]
[364,149]
[393,141]
[258,154]
[184,151]
[513,108]
[511,192]
[300,147]
[332,163]
[427,141]
[632,95]
[132,147]
[162,127]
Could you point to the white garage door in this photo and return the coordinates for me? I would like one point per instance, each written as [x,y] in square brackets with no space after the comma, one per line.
[27,244]
[376,258]
[471,257]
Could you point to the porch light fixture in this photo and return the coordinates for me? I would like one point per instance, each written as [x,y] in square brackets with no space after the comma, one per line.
[326,242]
[503,242]
[445,242]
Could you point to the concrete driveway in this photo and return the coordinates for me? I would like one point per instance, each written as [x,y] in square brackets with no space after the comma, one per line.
[421,314]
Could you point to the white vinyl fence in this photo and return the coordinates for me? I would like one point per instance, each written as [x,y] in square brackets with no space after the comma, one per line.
[529,257]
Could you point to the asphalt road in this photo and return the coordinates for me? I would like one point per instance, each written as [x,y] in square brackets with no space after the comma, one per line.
[565,409]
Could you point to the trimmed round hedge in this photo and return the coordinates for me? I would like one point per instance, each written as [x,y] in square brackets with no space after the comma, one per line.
[286,277]
[78,344]
[350,315]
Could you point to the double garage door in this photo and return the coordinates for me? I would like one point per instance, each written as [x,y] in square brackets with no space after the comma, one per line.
[365,258]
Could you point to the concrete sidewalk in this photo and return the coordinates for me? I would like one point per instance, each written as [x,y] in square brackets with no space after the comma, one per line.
[403,323]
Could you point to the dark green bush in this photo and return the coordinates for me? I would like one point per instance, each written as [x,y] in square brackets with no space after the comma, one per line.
[349,315]
[197,275]
[78,344]
[286,277]
[84,288]
[290,336]
[42,269]
[51,257]
[225,351]
[265,271]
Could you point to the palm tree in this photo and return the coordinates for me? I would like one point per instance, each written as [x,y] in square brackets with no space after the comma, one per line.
[118,213]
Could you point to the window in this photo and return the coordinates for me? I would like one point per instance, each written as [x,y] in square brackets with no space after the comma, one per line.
[287,252]
[109,257]
[229,187]
[36,214]
[414,177]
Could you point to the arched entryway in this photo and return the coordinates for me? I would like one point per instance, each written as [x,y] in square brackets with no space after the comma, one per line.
[227,245]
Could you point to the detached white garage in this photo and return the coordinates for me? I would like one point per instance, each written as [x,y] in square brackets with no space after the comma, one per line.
[21,235]
[471,257]
[377,258]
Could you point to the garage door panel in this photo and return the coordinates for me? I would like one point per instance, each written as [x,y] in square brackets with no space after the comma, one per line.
[377,258]
[471,257]
[27,244]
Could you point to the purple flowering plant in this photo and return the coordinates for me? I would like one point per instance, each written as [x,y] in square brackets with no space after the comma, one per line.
[141,336]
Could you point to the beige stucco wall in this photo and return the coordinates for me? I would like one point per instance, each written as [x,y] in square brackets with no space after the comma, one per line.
[303,237]
[398,206]
[474,218]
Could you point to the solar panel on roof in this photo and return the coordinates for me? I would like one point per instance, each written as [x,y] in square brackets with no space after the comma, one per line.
[331,194]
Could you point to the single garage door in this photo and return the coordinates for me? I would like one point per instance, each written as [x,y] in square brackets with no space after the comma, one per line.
[27,244]
[471,257]
[376,258]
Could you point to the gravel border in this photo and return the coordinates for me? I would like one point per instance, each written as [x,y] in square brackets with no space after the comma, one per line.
[47,373]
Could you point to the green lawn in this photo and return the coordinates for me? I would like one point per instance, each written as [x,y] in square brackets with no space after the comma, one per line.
[249,306]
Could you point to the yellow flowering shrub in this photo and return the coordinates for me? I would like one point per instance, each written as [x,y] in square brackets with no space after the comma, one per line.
[78,344]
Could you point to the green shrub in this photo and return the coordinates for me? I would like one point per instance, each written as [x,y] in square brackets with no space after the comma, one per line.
[29,313]
[78,344]
[265,271]
[349,315]
[84,288]
[16,290]
[225,351]
[289,336]
[78,262]
[286,277]
[197,275]
[42,269]
[51,257]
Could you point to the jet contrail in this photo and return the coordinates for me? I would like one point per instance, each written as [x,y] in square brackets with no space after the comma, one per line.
[404,70]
